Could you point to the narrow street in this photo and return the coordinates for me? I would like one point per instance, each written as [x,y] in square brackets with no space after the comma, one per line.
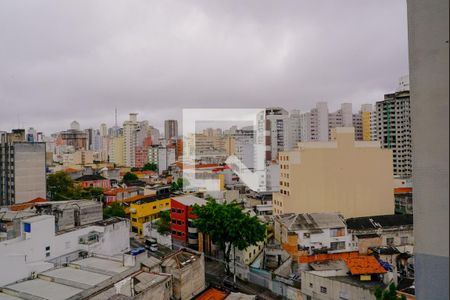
[216,277]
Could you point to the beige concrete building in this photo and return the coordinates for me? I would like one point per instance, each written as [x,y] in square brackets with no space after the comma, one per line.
[353,178]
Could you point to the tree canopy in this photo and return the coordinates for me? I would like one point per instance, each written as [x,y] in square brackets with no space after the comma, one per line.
[150,167]
[115,210]
[390,293]
[228,226]
[59,185]
[179,184]
[163,223]
[62,187]
[129,177]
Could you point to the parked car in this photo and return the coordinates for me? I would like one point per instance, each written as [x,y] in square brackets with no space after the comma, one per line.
[150,243]
[137,251]
[153,248]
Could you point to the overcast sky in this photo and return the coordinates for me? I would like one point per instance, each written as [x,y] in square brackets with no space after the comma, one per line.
[77,60]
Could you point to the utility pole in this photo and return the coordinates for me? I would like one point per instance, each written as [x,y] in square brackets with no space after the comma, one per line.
[234,263]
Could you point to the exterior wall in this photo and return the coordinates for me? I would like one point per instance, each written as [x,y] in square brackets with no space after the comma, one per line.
[29,171]
[323,288]
[116,154]
[32,251]
[248,255]
[366,243]
[179,218]
[146,212]
[429,75]
[22,172]
[343,176]
[189,280]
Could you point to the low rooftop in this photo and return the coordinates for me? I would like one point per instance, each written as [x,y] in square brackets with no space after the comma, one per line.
[311,221]
[181,258]
[82,279]
[189,200]
[379,222]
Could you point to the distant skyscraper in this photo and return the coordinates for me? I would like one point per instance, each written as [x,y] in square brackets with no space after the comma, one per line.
[315,124]
[75,125]
[295,129]
[278,123]
[170,129]
[75,137]
[32,135]
[368,122]
[103,130]
[341,118]
[130,140]
[394,130]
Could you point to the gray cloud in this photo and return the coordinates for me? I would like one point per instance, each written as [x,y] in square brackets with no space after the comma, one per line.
[66,60]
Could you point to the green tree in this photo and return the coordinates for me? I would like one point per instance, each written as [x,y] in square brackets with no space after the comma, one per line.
[163,223]
[390,293]
[179,184]
[150,167]
[229,227]
[129,177]
[60,185]
[115,210]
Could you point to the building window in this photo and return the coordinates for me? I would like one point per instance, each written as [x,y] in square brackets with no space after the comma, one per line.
[306,235]
[337,245]
[26,227]
[390,241]
[335,232]
[404,240]
[323,290]
[310,285]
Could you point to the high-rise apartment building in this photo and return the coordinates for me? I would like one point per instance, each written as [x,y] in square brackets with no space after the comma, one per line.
[368,123]
[74,137]
[343,117]
[162,156]
[130,140]
[315,124]
[22,169]
[429,73]
[115,150]
[394,130]
[346,176]
[295,129]
[170,129]
[278,127]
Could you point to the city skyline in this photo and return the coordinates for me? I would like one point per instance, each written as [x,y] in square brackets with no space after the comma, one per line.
[157,58]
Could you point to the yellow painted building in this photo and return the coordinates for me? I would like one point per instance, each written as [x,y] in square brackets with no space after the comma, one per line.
[350,177]
[117,156]
[145,211]
[366,125]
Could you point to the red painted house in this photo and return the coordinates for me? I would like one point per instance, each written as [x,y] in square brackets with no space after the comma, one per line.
[97,181]
[183,230]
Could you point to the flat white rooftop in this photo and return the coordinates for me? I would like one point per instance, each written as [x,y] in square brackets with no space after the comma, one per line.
[45,289]
[4,296]
[78,276]
[101,264]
